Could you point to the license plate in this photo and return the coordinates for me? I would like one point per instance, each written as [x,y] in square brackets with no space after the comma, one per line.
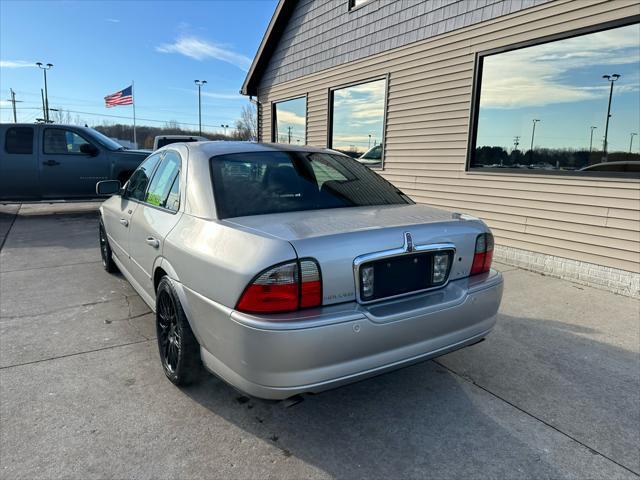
[399,275]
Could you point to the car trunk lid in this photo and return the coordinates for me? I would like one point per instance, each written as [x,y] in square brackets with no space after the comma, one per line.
[337,237]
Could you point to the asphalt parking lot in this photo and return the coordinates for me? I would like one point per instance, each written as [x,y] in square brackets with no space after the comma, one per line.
[554,392]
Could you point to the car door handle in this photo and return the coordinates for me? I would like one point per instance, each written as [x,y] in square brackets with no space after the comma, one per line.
[50,163]
[153,242]
[124,222]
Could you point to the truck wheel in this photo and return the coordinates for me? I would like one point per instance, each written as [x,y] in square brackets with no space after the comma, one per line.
[105,251]
[179,350]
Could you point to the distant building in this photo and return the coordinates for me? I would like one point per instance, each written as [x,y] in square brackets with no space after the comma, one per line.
[497,108]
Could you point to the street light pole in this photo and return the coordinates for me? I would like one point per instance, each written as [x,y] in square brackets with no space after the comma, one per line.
[225,128]
[200,83]
[610,79]
[44,68]
[591,139]
[631,141]
[533,134]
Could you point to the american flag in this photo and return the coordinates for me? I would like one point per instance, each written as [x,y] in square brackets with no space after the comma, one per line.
[123,97]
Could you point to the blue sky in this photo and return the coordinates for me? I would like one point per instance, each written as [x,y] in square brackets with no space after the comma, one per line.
[561,84]
[98,47]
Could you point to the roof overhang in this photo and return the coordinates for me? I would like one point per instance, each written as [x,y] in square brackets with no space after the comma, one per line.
[268,44]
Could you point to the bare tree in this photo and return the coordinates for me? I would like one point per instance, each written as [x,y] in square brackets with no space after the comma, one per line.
[59,115]
[247,124]
[173,125]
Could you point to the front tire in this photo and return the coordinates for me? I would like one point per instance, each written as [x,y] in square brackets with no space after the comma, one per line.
[105,250]
[179,350]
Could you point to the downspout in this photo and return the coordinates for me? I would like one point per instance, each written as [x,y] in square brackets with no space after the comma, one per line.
[258,116]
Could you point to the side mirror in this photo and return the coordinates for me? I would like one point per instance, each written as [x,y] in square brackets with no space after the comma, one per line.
[89,149]
[108,187]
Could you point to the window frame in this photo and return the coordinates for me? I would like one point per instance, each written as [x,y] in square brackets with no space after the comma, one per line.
[306,117]
[475,104]
[33,137]
[66,129]
[330,92]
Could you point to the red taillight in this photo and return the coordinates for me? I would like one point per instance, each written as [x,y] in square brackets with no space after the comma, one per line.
[283,288]
[483,255]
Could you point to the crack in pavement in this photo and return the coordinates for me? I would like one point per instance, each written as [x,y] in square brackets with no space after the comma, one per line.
[520,409]
[48,266]
[13,220]
[70,307]
[75,354]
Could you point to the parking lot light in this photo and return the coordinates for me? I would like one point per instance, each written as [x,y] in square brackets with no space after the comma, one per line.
[44,68]
[200,83]
[611,79]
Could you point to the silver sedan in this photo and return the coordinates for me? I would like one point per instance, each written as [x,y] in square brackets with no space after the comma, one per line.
[286,270]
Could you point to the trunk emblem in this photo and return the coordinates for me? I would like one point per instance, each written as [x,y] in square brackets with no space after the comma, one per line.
[408,242]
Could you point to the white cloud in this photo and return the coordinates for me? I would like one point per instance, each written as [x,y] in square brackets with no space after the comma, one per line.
[16,64]
[224,96]
[288,117]
[5,103]
[112,20]
[199,49]
[541,75]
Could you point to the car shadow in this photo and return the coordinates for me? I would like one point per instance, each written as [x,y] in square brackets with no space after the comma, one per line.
[426,420]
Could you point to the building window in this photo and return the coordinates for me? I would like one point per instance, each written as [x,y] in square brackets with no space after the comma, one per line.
[357,121]
[357,3]
[543,108]
[290,121]
[19,140]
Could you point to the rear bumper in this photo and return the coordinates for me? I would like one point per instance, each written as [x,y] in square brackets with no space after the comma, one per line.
[318,349]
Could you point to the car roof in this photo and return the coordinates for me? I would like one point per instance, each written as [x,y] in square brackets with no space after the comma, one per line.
[179,136]
[223,147]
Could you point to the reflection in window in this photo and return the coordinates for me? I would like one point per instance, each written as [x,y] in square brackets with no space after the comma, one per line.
[358,121]
[290,121]
[544,107]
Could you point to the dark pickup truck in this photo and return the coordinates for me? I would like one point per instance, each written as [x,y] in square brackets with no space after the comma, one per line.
[56,162]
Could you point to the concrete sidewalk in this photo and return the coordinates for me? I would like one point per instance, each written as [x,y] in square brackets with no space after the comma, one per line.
[553,392]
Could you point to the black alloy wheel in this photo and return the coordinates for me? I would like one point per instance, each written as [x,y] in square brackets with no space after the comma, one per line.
[105,250]
[178,347]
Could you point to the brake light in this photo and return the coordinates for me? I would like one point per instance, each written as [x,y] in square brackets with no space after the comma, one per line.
[283,288]
[483,254]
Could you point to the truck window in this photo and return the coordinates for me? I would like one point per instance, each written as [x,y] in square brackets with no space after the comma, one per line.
[58,140]
[19,140]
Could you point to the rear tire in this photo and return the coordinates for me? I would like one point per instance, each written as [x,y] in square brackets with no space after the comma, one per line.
[105,250]
[179,350]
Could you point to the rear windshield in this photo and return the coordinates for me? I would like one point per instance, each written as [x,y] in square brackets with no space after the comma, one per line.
[259,183]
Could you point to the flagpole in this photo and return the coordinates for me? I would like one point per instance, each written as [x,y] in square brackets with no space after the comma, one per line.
[133,102]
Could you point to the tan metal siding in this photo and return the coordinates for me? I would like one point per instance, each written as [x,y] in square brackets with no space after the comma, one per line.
[587,219]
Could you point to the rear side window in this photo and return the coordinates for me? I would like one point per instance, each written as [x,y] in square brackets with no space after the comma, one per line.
[259,183]
[165,183]
[19,140]
[137,185]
